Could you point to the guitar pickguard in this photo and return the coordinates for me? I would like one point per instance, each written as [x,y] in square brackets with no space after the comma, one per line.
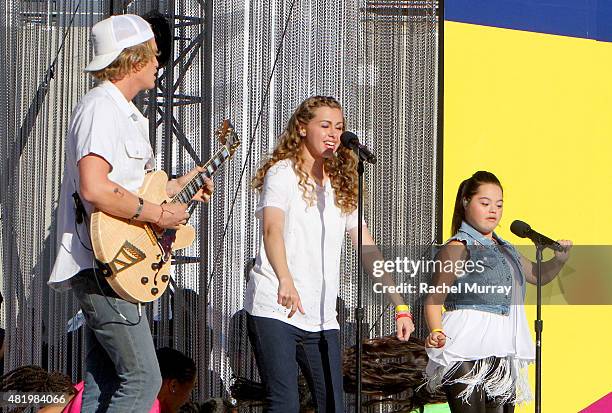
[127,256]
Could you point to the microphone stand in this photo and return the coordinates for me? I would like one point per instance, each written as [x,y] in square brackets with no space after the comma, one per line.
[359,312]
[538,325]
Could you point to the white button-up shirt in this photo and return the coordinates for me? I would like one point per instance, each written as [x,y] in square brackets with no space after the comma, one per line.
[106,124]
[313,237]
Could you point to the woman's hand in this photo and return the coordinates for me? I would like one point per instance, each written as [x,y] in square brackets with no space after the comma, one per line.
[550,268]
[404,327]
[435,339]
[563,256]
[288,296]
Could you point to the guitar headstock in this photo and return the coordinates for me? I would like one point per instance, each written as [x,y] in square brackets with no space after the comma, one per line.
[227,136]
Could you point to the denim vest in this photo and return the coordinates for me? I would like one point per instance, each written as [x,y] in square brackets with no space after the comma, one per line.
[495,271]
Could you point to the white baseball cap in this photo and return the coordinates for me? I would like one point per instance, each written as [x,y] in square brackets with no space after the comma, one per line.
[110,36]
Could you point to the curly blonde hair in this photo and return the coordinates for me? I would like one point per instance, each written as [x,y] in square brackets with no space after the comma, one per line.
[131,59]
[341,169]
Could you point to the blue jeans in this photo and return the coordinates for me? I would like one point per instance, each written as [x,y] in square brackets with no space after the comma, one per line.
[280,348]
[121,372]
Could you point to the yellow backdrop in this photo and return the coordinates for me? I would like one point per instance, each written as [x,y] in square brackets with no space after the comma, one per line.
[525,105]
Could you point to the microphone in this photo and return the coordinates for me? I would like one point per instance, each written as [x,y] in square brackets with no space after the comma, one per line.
[523,230]
[351,141]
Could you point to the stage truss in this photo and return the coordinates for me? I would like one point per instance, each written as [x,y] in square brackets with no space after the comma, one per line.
[379,58]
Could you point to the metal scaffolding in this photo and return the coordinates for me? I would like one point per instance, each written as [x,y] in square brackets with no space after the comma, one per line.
[252,62]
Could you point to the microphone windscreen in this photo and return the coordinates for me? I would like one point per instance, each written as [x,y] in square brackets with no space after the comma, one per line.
[520,228]
[163,35]
[349,139]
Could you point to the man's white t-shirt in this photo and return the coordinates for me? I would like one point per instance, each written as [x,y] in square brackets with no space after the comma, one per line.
[313,237]
[106,124]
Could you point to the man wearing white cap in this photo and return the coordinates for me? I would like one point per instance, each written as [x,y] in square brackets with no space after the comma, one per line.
[107,155]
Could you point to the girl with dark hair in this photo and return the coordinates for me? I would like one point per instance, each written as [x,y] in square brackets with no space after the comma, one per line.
[178,378]
[35,379]
[308,200]
[178,374]
[480,347]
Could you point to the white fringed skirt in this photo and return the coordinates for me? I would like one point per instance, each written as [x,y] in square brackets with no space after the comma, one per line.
[481,336]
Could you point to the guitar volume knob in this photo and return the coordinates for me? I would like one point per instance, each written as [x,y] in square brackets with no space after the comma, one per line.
[164,278]
[154,291]
[144,280]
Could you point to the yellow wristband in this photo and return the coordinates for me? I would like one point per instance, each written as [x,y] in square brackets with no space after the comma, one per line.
[437,330]
[402,307]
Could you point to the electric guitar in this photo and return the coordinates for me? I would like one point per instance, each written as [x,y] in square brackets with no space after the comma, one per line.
[135,256]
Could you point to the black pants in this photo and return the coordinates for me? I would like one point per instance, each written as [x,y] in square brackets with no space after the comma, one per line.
[477,402]
[280,348]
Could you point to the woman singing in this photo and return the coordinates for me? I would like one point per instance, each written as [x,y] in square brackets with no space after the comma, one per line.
[308,200]
[480,347]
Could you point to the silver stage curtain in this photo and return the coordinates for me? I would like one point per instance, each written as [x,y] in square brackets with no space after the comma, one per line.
[379,58]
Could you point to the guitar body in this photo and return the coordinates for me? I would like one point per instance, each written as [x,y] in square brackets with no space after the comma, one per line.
[135,255]
[137,266]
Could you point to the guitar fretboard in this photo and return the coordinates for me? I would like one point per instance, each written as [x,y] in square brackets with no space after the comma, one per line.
[189,190]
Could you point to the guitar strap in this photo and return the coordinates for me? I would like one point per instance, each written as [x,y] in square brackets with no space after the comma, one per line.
[105,269]
[80,215]
[79,208]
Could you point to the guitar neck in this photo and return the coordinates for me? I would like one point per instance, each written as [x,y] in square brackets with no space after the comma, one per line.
[197,182]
